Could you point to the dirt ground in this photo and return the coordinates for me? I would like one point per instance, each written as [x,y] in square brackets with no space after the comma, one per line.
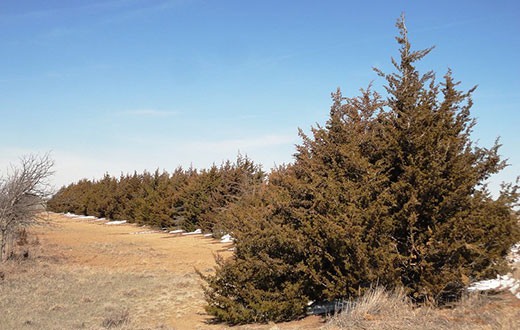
[89,273]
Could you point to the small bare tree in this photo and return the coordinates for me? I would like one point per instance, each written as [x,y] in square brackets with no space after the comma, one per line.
[23,191]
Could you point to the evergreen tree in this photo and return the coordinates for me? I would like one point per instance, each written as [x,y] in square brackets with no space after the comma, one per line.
[437,176]
[389,192]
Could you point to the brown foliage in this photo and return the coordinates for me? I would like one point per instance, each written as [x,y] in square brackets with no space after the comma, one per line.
[389,192]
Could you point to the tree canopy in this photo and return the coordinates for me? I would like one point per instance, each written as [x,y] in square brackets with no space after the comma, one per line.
[391,191]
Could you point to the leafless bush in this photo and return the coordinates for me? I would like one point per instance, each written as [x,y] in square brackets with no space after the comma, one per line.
[23,191]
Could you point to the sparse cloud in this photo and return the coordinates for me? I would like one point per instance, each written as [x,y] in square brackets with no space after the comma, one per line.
[72,165]
[122,9]
[148,113]
[247,143]
[148,8]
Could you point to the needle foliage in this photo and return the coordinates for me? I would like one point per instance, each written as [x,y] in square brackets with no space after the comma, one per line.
[390,191]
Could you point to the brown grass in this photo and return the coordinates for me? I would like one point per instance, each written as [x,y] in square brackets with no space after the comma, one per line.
[379,309]
[84,275]
[38,294]
[49,290]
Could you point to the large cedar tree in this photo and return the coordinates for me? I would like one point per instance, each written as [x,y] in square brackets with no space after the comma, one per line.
[391,191]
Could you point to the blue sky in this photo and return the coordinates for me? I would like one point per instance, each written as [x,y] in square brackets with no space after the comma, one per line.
[123,85]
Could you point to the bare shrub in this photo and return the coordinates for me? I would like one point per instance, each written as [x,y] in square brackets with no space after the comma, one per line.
[23,191]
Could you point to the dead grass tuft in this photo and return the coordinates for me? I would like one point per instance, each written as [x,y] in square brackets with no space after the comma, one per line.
[380,309]
[116,319]
[86,300]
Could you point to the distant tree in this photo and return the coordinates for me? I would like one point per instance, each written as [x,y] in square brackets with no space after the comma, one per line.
[129,189]
[196,198]
[23,191]
[209,194]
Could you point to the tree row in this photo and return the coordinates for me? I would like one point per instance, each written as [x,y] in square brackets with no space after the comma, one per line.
[187,198]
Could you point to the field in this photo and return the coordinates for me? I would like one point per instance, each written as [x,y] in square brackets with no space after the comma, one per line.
[83,274]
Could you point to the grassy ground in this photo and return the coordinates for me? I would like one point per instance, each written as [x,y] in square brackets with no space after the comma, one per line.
[45,293]
[86,275]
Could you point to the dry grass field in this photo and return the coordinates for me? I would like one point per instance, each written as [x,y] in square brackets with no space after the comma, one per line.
[83,274]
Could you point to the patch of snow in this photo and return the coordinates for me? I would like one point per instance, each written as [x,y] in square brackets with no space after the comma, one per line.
[226,239]
[177,231]
[208,235]
[502,282]
[515,253]
[70,215]
[118,222]
[231,249]
[145,232]
[198,231]
[86,217]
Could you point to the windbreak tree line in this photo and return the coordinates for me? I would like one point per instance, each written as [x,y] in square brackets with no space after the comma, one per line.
[390,192]
[187,198]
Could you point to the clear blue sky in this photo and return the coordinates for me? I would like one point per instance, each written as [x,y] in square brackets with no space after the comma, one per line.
[118,85]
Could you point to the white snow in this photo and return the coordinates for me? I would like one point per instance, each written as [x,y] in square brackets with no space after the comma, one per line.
[502,282]
[145,232]
[177,231]
[86,217]
[515,253]
[226,239]
[118,222]
[208,235]
[198,231]
[81,217]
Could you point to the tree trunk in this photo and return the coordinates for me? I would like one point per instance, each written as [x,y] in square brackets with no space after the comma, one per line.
[3,242]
